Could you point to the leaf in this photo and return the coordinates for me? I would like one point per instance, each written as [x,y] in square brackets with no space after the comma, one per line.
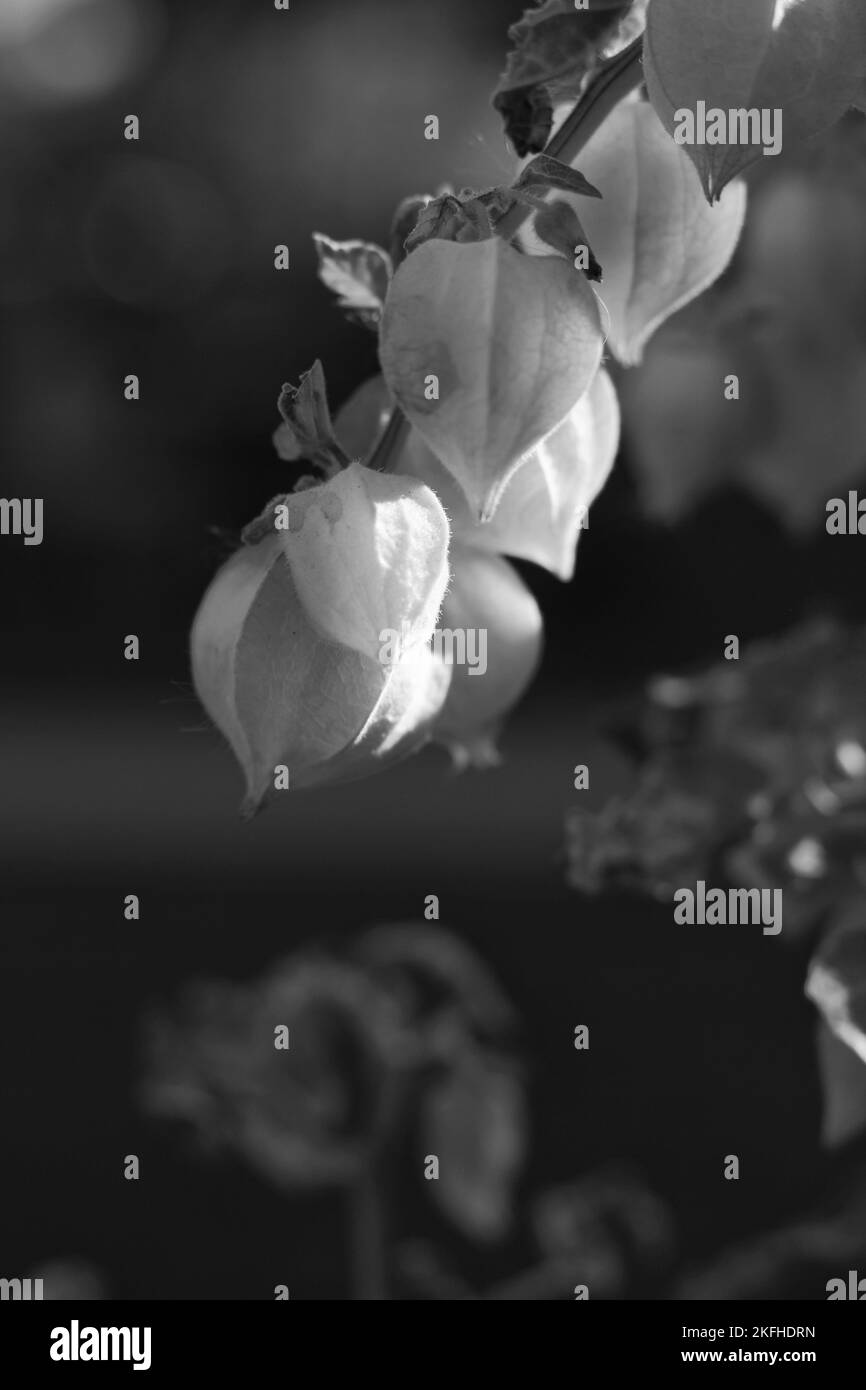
[658,241]
[474,1122]
[837,982]
[556,45]
[544,507]
[545,172]
[306,431]
[358,272]
[403,222]
[843,1086]
[512,341]
[805,58]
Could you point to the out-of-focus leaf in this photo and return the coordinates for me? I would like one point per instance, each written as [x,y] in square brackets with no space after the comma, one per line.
[512,341]
[843,1087]
[358,272]
[659,243]
[837,981]
[474,1122]
[806,58]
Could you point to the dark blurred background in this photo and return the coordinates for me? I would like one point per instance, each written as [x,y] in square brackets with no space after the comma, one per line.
[156,257]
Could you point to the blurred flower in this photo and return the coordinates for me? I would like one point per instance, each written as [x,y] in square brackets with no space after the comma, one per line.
[762,763]
[606,1231]
[664,832]
[306,1114]
[411,1025]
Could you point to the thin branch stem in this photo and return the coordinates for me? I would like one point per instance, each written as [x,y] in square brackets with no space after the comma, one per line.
[613,81]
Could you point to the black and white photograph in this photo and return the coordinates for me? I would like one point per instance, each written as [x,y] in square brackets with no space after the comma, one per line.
[433,716]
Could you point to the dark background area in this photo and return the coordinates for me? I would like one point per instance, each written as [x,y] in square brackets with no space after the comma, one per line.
[156,257]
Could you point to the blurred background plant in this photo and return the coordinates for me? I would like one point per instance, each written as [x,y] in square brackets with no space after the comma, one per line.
[399,1058]
[753,774]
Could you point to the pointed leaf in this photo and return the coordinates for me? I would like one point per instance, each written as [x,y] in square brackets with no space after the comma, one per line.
[545,172]
[805,58]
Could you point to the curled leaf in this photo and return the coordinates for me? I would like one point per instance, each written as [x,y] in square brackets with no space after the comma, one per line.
[487,351]
[556,45]
[358,272]
[306,431]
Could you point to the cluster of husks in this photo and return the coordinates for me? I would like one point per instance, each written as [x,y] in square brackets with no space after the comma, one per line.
[491,345]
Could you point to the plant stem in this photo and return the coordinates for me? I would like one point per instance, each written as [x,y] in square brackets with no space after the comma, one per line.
[613,81]
[367,1240]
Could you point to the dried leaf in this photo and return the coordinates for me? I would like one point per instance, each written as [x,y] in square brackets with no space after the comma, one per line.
[555,46]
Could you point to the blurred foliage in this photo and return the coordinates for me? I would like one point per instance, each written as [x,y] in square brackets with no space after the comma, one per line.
[755,769]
